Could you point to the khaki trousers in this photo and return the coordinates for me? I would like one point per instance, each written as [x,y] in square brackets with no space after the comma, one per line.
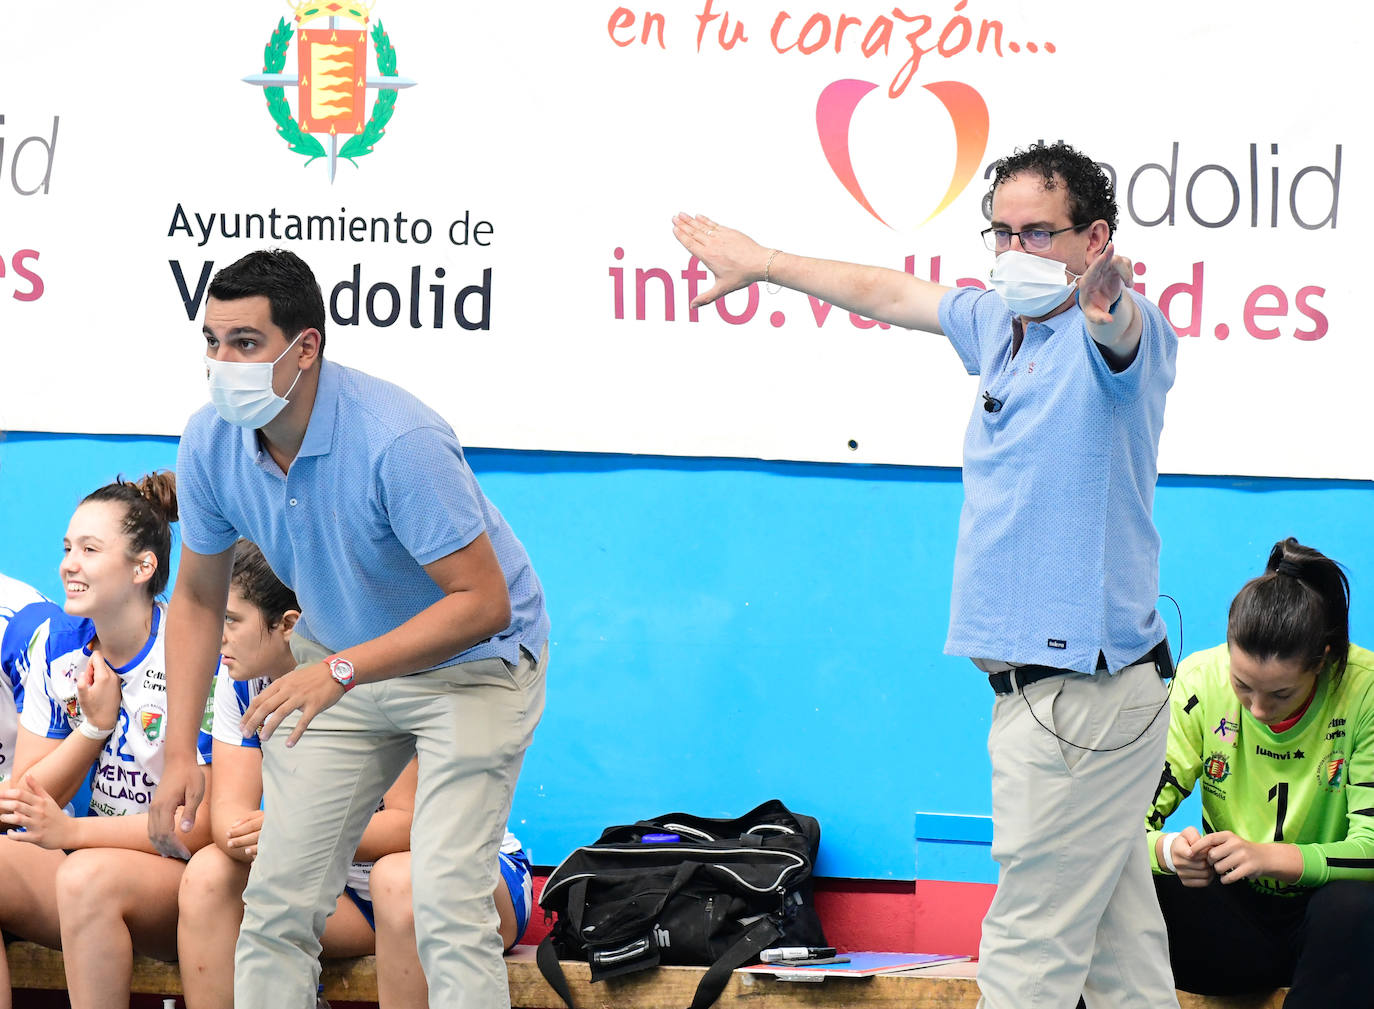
[470,723]
[1075,910]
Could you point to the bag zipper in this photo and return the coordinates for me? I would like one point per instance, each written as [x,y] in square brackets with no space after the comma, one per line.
[795,862]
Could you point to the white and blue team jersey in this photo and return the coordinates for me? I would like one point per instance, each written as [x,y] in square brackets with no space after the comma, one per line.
[130,765]
[230,699]
[15,635]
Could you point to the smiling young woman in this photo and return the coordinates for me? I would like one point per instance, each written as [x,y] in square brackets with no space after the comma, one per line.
[1277,725]
[95,701]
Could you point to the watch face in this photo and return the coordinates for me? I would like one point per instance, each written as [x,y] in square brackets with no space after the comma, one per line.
[342,670]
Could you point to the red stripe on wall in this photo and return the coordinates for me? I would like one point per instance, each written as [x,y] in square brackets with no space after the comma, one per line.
[928,916]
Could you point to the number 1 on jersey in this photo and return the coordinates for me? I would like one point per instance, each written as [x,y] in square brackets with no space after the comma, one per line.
[1279,794]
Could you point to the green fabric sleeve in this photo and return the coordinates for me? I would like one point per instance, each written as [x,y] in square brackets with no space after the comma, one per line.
[1353,856]
[1182,757]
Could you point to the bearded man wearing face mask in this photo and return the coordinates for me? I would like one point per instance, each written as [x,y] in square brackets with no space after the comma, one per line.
[422,631]
[1056,568]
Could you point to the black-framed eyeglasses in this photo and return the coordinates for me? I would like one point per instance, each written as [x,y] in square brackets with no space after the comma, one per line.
[1032,240]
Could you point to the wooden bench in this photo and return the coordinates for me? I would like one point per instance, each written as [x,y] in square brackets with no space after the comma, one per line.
[949,987]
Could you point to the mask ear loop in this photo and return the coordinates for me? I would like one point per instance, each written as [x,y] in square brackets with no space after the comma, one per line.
[299,371]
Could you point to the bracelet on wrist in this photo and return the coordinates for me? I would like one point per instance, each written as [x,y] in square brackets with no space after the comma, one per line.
[768,266]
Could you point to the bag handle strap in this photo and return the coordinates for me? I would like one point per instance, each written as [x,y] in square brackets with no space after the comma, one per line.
[681,878]
[747,948]
[577,904]
[547,959]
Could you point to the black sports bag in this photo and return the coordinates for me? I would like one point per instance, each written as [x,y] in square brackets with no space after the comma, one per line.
[683,889]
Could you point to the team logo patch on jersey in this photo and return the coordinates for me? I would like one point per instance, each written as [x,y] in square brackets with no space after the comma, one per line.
[1331,771]
[207,720]
[1217,767]
[150,719]
[72,707]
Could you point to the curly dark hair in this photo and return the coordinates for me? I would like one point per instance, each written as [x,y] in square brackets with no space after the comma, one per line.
[1091,193]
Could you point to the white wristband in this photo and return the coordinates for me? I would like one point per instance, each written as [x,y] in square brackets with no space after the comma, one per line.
[87,729]
[1166,850]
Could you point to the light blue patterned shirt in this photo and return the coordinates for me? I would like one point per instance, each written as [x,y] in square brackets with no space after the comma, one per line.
[1058,556]
[379,489]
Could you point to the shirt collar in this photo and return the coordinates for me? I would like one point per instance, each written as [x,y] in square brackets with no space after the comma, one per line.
[319,430]
[1070,316]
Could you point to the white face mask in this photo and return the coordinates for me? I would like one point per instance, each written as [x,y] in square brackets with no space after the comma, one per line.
[1031,285]
[242,390]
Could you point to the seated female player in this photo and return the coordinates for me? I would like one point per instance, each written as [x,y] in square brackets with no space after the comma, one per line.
[1278,727]
[15,597]
[400,979]
[256,648]
[15,634]
[95,697]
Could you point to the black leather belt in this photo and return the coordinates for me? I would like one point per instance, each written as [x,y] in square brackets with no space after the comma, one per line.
[1025,675]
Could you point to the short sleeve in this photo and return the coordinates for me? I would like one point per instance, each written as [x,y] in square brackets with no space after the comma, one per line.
[203,528]
[1155,359]
[1183,754]
[430,496]
[231,699]
[17,643]
[959,309]
[42,714]
[204,739]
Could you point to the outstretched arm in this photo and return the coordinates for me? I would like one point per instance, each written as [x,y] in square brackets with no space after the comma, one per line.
[874,292]
[195,620]
[1117,333]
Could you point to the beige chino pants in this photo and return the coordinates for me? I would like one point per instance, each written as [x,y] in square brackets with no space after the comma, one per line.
[1075,910]
[470,723]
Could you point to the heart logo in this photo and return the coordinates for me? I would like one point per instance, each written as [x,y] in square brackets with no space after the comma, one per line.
[967,111]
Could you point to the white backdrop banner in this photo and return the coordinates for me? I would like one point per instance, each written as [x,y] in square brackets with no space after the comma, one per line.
[485,190]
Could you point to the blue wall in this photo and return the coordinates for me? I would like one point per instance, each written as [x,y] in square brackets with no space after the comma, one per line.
[727,631]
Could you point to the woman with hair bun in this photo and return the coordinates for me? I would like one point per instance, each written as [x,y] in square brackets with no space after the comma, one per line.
[1277,725]
[95,699]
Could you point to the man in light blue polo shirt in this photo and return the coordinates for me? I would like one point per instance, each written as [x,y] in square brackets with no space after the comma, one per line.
[1056,568]
[422,630]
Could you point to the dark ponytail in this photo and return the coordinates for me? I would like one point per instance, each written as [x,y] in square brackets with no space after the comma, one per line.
[150,507]
[1298,610]
[259,585]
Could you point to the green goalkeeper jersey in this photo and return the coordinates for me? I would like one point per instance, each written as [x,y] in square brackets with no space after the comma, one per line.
[1311,786]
